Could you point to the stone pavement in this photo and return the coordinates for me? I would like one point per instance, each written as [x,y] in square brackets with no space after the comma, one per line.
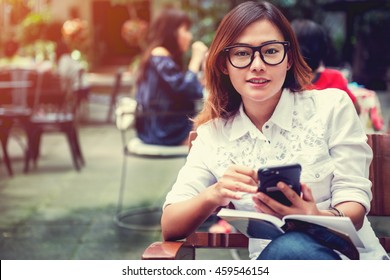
[56,213]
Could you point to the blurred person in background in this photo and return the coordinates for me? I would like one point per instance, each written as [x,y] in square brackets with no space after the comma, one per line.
[74,70]
[166,89]
[313,45]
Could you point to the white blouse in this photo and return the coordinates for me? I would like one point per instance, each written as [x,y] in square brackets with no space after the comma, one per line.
[318,129]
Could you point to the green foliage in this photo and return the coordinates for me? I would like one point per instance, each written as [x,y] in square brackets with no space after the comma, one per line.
[33,27]
[208,13]
[205,15]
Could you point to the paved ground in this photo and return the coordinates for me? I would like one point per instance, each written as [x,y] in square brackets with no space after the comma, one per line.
[55,212]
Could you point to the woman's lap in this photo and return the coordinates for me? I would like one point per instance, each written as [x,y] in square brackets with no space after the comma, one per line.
[297,245]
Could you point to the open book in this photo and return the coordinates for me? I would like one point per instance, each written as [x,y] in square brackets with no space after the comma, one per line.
[264,226]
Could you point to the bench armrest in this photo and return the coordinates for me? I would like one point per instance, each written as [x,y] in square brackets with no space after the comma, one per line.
[169,250]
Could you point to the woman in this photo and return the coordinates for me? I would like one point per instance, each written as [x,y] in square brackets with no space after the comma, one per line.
[258,113]
[165,91]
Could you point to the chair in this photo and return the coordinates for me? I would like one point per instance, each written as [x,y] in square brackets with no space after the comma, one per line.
[125,115]
[5,129]
[71,69]
[82,92]
[114,93]
[17,87]
[53,112]
[379,170]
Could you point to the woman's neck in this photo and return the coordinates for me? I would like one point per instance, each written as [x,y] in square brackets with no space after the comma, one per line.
[260,112]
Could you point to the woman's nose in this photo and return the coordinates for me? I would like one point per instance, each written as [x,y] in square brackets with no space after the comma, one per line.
[257,63]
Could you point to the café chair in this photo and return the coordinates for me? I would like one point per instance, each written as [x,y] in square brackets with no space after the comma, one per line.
[54,112]
[16,92]
[81,90]
[5,129]
[134,147]
[117,86]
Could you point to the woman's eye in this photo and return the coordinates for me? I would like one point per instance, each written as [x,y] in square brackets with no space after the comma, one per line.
[271,51]
[241,53]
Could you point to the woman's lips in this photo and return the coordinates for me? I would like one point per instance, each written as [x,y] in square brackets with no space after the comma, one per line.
[258,81]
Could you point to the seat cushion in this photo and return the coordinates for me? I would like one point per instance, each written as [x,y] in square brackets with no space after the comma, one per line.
[136,147]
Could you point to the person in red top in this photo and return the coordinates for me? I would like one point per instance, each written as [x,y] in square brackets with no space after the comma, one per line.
[313,46]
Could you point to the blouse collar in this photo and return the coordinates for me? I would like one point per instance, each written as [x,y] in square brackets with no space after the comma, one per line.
[282,117]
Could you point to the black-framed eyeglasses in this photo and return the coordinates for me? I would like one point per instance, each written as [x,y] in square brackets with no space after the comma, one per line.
[271,53]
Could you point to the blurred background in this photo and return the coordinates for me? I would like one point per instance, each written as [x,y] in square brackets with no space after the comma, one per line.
[110,32]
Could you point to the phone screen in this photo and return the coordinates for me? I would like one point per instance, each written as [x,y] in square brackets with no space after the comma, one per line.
[270,176]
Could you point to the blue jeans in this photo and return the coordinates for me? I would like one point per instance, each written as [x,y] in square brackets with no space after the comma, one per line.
[297,245]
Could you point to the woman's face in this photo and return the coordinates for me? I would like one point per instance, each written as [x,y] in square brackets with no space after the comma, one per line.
[184,37]
[259,82]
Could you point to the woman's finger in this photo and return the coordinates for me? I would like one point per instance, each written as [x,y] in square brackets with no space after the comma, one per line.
[307,194]
[289,193]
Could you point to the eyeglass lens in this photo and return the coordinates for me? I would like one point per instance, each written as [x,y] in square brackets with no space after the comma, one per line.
[242,56]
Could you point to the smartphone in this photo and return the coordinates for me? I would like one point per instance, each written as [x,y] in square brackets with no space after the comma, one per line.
[270,176]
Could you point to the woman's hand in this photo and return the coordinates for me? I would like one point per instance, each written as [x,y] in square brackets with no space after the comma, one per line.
[199,50]
[304,204]
[236,180]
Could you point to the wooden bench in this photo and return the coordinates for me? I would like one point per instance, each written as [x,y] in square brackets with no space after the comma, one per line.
[379,176]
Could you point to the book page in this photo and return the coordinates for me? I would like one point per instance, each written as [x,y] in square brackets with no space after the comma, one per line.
[341,224]
[253,224]
[224,212]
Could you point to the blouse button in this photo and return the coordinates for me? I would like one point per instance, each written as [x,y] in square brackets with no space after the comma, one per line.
[267,126]
[317,175]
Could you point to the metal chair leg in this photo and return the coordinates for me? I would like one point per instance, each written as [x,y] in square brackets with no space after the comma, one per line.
[7,160]
[122,215]
[5,130]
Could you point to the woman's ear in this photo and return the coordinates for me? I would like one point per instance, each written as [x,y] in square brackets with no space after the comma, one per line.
[222,66]
[224,70]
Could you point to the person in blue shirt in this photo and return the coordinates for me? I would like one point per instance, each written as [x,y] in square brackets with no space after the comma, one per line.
[166,89]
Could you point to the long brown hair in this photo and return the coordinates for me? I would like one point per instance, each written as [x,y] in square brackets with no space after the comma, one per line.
[163,33]
[223,100]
